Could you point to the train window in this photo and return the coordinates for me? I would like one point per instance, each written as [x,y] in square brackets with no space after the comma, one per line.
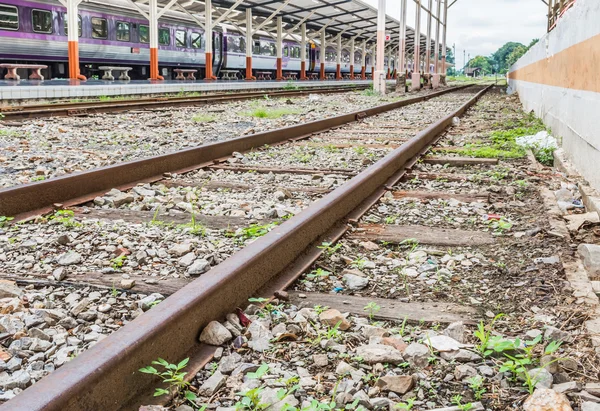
[67,24]
[99,28]
[9,17]
[144,32]
[41,21]
[296,52]
[257,47]
[196,40]
[181,38]
[267,48]
[164,37]
[123,31]
[236,44]
[286,51]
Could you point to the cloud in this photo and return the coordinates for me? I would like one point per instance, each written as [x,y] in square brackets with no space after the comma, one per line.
[483,26]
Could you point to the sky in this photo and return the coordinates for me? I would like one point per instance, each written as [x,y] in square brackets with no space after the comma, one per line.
[482,26]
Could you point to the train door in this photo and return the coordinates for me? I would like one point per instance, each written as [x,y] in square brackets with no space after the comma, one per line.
[312,56]
[217,52]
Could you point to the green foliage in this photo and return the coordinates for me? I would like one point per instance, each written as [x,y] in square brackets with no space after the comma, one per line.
[174,376]
[408,405]
[370,92]
[251,400]
[329,248]
[5,220]
[194,227]
[259,373]
[457,400]
[515,55]
[272,113]
[254,231]
[483,334]
[118,262]
[318,274]
[501,225]
[204,118]
[372,308]
[476,384]
[290,85]
[65,217]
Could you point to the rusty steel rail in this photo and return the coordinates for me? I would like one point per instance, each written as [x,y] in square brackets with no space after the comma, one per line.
[111,106]
[25,200]
[106,376]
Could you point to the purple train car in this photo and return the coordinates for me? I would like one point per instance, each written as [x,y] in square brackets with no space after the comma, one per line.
[113,34]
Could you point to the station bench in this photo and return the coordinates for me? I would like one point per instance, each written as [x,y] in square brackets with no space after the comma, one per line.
[347,76]
[191,74]
[330,76]
[314,76]
[109,69]
[12,71]
[263,75]
[292,75]
[229,75]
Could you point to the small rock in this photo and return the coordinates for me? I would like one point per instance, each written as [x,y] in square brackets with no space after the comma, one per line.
[215,334]
[417,355]
[456,331]
[544,399]
[400,384]
[460,356]
[590,406]
[354,280]
[375,353]
[59,274]
[9,289]
[566,387]
[320,360]
[127,283]
[333,317]
[549,363]
[542,376]
[554,334]
[199,267]
[212,384]
[464,371]
[443,343]
[70,258]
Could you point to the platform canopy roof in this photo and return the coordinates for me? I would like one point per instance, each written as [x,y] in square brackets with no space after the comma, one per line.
[352,18]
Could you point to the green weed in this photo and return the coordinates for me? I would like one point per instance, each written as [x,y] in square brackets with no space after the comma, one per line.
[174,376]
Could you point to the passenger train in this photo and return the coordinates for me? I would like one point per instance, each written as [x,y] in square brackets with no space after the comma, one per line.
[36,32]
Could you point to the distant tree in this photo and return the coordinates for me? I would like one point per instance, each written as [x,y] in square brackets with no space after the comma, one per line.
[515,55]
[481,62]
[533,43]
[500,56]
[450,56]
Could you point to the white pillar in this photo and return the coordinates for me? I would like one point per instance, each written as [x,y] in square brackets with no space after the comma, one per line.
[73,39]
[352,55]
[379,83]
[402,44]
[153,31]
[303,52]
[444,38]
[436,54]
[338,69]
[322,56]
[208,51]
[279,48]
[249,44]
[428,47]
[416,76]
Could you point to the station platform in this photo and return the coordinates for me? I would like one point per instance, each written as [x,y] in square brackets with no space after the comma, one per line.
[35,89]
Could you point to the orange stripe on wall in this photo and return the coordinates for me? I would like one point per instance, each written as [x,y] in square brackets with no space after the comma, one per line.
[575,68]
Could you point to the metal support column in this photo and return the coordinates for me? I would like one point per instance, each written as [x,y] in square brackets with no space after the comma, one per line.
[209,40]
[303,53]
[352,56]
[363,69]
[249,45]
[323,46]
[379,83]
[279,76]
[338,67]
[73,39]
[402,61]
[436,55]
[443,77]
[416,76]
[153,23]
[428,47]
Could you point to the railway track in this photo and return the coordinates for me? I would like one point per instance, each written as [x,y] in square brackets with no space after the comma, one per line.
[367,175]
[116,105]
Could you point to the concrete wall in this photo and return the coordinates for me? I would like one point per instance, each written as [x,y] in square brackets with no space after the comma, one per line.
[559,79]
